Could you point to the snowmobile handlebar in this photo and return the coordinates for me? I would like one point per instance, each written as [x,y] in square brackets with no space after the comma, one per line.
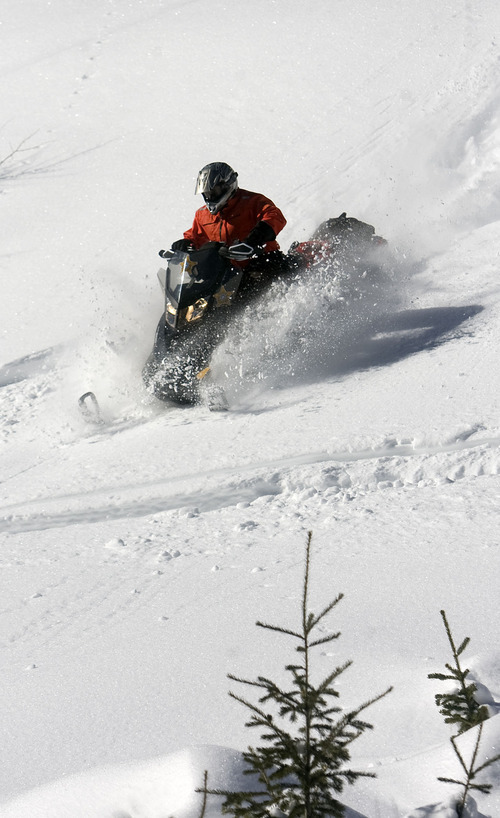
[240,251]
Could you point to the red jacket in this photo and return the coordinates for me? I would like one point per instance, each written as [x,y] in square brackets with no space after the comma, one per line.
[235,221]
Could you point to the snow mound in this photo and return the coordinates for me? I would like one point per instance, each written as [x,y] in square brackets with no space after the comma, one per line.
[165,786]
[155,789]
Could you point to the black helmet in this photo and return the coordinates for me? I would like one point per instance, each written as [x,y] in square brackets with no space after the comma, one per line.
[216,182]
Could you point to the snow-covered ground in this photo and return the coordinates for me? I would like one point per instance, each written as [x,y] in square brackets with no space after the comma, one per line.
[136,556]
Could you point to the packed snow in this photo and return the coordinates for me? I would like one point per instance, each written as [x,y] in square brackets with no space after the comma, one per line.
[137,554]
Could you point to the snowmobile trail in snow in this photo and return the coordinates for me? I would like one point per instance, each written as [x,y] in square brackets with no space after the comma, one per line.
[203,501]
[394,465]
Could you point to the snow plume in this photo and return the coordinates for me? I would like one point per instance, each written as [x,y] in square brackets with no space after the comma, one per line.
[308,328]
[112,330]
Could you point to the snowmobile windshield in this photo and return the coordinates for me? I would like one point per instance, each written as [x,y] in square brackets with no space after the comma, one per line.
[195,281]
[191,275]
[181,275]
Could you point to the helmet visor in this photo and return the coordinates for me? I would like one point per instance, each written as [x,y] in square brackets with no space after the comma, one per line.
[205,181]
[216,193]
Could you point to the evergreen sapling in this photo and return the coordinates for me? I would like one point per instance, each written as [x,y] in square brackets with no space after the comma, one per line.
[471,772]
[301,763]
[459,706]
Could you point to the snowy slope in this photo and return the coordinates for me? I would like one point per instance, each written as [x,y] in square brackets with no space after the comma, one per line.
[137,556]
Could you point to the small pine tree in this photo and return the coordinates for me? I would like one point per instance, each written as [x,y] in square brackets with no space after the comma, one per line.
[302,760]
[458,707]
[471,772]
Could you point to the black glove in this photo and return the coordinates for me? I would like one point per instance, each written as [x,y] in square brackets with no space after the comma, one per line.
[183,244]
[260,235]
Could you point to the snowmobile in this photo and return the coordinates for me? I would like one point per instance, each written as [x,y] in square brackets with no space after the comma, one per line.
[200,287]
[203,290]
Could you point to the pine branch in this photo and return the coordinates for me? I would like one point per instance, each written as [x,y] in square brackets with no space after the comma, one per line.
[459,755]
[372,701]
[264,719]
[278,629]
[244,681]
[487,763]
[464,644]
[324,640]
[327,610]
[449,780]
[323,687]
[241,794]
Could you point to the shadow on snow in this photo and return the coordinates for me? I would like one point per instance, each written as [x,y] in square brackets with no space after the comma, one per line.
[388,339]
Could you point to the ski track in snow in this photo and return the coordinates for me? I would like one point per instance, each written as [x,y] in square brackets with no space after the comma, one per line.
[394,465]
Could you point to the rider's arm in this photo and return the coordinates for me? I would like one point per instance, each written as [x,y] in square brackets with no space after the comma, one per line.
[269,214]
[196,235]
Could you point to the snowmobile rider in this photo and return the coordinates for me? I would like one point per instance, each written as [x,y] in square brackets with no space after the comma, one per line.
[245,223]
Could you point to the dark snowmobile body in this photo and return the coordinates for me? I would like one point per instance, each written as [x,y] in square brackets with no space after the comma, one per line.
[203,290]
[199,287]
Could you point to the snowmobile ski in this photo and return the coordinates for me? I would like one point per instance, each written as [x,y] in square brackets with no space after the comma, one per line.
[216,399]
[90,409]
